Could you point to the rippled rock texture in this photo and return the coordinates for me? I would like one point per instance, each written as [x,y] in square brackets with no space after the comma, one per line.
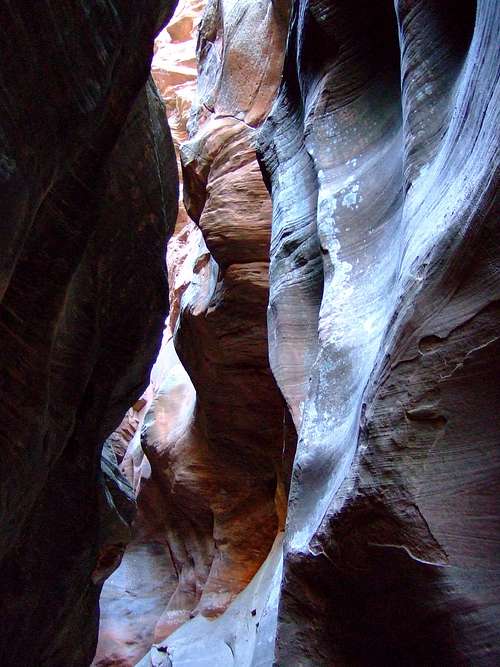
[88,192]
[377,140]
[207,464]
[381,156]
[226,471]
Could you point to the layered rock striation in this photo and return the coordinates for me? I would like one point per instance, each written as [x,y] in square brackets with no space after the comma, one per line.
[230,466]
[381,155]
[334,273]
[207,465]
[88,191]
[381,158]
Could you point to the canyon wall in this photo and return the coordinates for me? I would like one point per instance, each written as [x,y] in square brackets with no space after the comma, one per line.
[88,195]
[311,476]
[382,153]
[136,596]
[381,156]
[221,333]
[207,464]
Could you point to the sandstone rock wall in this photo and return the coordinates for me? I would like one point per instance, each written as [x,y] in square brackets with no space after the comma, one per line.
[88,195]
[381,156]
[375,262]
[137,595]
[381,153]
[221,334]
[208,466]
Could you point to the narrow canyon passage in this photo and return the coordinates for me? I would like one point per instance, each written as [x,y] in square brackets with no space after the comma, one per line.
[204,448]
[249,313]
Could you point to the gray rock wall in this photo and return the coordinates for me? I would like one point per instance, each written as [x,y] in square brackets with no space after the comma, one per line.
[381,156]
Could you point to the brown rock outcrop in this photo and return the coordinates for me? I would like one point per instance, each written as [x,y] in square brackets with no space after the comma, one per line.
[211,488]
[88,194]
[234,449]
[174,66]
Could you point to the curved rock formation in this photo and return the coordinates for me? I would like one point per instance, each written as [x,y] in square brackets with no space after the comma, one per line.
[211,486]
[376,126]
[227,472]
[138,593]
[88,196]
[381,156]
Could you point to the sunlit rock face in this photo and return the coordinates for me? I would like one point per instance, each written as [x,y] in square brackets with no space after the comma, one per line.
[219,440]
[88,192]
[174,70]
[235,474]
[174,66]
[209,463]
[381,156]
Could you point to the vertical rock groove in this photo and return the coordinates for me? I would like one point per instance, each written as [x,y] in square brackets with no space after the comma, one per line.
[391,123]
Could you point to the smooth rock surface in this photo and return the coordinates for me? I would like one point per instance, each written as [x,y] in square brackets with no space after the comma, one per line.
[376,127]
[88,195]
[235,442]
[212,484]
[381,154]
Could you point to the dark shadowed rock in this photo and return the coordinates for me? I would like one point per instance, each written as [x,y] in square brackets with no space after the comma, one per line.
[88,195]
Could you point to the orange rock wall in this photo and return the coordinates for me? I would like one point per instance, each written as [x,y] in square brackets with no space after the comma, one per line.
[208,467]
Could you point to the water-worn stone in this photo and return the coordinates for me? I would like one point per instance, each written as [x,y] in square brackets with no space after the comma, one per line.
[381,158]
[88,192]
[212,486]
[381,155]
[234,463]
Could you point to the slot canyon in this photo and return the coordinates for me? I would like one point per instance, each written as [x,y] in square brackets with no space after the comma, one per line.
[249,324]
